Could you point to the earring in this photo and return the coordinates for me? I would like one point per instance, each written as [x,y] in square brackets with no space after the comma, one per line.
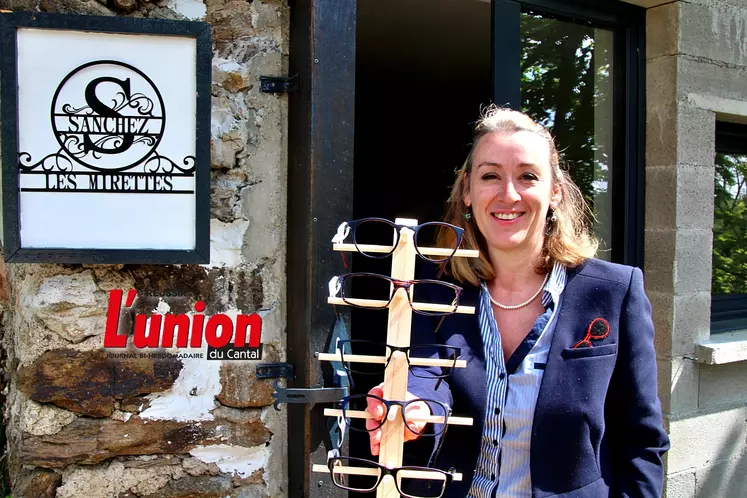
[467,215]
[552,216]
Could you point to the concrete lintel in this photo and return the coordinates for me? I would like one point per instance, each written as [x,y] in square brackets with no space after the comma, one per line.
[723,348]
[725,109]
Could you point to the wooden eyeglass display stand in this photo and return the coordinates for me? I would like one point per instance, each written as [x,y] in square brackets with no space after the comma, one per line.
[398,334]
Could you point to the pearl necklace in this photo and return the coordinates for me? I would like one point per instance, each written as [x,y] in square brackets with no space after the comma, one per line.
[517,306]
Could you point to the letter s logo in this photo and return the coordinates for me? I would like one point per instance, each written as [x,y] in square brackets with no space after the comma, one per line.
[107,112]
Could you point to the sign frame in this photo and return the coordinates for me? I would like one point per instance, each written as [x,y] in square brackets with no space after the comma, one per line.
[10,22]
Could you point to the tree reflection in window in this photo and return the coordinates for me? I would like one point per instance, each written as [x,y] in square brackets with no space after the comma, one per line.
[566,84]
[730,225]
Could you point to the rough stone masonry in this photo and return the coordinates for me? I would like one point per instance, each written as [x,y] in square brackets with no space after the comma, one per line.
[80,424]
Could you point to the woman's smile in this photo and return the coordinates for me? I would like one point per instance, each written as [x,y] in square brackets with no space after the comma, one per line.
[511,189]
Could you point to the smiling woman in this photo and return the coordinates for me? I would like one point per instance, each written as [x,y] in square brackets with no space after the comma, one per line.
[561,378]
[513,175]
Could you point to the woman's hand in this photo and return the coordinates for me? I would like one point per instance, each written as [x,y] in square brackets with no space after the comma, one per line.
[377,410]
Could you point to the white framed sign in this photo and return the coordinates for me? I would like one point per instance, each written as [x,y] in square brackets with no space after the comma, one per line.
[105,139]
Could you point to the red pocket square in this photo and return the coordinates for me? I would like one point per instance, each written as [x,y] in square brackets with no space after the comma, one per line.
[599,328]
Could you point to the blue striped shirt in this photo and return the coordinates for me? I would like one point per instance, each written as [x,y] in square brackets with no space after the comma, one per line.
[503,466]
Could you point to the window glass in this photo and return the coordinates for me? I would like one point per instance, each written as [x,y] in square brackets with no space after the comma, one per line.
[566,84]
[730,225]
[729,268]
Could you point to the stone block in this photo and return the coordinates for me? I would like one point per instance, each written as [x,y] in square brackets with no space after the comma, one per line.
[692,272]
[661,197]
[701,440]
[696,76]
[661,111]
[90,441]
[691,321]
[725,479]
[89,382]
[131,478]
[680,485]
[662,29]
[241,388]
[678,385]
[722,384]
[37,484]
[659,260]
[716,31]
[66,304]
[696,136]
[662,313]
[695,196]
[4,282]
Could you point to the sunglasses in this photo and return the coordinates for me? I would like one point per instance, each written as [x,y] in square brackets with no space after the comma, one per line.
[377,238]
[374,291]
[364,476]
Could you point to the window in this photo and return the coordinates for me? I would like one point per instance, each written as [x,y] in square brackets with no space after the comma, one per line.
[567,85]
[577,68]
[729,276]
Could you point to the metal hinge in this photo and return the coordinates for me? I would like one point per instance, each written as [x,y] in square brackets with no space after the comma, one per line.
[278,84]
[307,395]
[275,371]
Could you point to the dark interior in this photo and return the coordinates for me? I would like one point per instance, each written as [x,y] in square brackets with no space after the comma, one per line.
[423,70]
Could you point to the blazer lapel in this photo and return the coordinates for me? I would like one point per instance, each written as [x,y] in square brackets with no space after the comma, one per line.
[563,334]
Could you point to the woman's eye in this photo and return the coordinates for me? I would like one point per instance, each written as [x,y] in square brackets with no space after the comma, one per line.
[529,176]
[489,176]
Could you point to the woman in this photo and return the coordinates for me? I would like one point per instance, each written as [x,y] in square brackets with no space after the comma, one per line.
[561,369]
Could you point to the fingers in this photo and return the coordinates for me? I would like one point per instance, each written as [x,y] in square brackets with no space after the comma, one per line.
[374,407]
[414,411]
[377,411]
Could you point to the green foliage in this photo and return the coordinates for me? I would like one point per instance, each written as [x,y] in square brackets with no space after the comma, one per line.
[730,225]
[559,66]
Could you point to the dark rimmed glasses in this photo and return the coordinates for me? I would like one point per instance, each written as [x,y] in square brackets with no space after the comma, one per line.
[364,476]
[368,232]
[448,355]
[374,291]
[356,404]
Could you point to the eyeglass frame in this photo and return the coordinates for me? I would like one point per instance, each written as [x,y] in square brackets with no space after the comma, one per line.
[384,471]
[398,284]
[353,225]
[393,349]
[402,405]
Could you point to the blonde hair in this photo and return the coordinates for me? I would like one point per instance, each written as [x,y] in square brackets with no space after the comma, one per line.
[568,240]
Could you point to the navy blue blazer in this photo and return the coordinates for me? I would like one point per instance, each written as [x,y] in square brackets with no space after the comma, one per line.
[597,429]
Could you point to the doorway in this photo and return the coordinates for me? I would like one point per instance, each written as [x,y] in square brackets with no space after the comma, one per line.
[423,70]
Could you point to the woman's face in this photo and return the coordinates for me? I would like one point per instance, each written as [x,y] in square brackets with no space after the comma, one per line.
[510,190]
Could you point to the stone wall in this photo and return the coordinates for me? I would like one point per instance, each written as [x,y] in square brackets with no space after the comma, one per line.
[696,74]
[80,423]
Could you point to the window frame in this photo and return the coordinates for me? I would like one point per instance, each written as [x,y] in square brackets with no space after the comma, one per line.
[628,23]
[729,311]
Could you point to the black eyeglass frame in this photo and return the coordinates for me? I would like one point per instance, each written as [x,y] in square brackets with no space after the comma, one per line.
[354,224]
[405,349]
[403,405]
[401,284]
[448,475]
